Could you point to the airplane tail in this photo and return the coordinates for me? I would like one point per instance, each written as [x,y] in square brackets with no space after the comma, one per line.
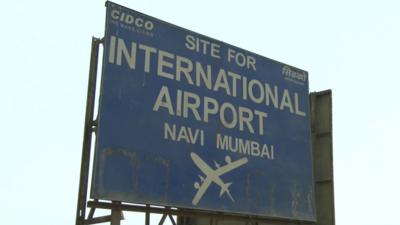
[225,188]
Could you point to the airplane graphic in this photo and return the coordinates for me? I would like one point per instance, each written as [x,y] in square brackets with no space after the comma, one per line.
[214,176]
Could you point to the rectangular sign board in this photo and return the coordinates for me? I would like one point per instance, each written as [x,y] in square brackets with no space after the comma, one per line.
[192,122]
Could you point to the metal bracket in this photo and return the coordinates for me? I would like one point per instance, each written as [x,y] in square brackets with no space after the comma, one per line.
[164,216]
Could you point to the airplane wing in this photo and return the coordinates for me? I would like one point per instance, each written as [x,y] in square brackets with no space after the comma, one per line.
[201,164]
[230,166]
[202,190]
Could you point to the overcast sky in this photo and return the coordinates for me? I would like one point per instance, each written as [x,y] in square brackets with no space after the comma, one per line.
[351,47]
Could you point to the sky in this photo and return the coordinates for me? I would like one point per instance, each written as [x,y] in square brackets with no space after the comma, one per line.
[351,47]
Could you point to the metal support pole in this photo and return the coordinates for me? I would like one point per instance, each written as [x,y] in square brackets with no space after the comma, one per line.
[147,218]
[87,135]
[162,220]
[171,219]
[321,115]
[115,217]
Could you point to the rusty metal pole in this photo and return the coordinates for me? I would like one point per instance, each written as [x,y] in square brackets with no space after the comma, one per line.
[87,135]
[116,217]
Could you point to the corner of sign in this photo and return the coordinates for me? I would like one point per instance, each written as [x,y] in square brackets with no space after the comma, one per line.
[107,2]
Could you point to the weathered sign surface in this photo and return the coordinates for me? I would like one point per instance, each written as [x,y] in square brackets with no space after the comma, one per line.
[192,122]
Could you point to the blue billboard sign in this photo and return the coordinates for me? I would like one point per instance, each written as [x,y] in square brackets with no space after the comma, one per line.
[188,121]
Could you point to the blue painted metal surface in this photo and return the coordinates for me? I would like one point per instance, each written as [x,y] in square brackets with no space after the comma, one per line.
[192,122]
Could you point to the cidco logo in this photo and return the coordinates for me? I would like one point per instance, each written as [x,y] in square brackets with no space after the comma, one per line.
[131,20]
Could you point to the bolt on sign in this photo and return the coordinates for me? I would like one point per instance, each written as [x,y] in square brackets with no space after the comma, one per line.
[192,122]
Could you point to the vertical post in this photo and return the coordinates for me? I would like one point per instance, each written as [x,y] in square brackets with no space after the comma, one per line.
[87,134]
[115,217]
[321,126]
[147,219]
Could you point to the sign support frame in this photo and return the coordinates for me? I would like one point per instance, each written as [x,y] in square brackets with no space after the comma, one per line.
[169,212]
[89,128]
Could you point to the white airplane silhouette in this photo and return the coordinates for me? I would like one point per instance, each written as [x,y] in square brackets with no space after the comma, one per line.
[214,176]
